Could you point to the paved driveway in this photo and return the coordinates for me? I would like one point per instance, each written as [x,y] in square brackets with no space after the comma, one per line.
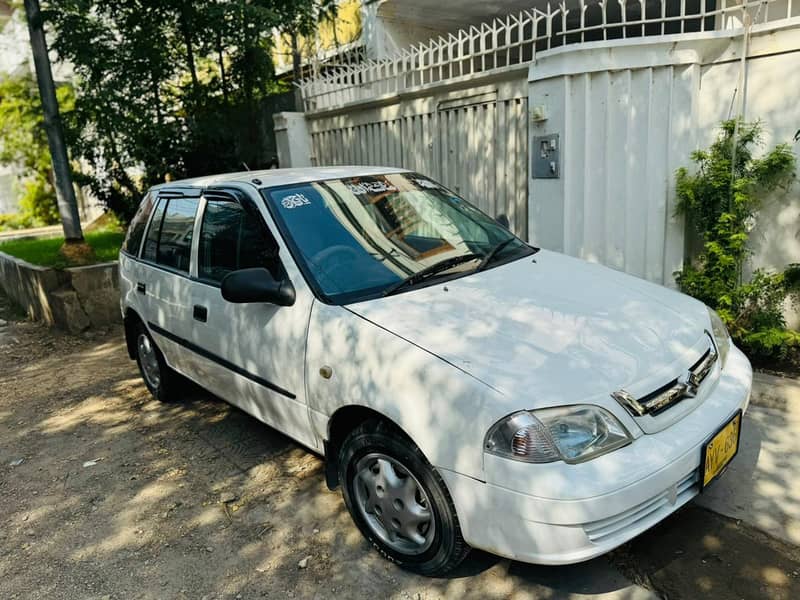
[119,496]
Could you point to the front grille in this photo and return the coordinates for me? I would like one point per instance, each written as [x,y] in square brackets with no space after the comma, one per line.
[647,513]
[680,388]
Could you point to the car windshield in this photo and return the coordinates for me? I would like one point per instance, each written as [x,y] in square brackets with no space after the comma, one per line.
[362,237]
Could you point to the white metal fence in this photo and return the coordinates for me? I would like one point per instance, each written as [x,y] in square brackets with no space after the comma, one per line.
[515,40]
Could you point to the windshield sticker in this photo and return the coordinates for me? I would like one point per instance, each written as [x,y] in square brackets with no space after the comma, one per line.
[426,183]
[370,187]
[295,201]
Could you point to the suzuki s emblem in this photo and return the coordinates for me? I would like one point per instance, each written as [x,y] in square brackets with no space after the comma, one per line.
[689,382]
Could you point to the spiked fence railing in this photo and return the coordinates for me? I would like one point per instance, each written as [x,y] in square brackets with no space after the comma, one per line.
[516,38]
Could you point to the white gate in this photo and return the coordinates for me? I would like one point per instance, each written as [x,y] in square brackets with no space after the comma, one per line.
[474,143]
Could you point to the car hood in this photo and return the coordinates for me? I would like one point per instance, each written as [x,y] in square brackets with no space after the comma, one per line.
[550,329]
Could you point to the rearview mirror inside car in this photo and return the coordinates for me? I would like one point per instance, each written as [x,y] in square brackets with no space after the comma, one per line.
[257,285]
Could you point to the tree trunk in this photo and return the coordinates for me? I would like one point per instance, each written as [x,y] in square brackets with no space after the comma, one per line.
[221,54]
[221,59]
[65,193]
[187,39]
[121,175]
[156,98]
[297,72]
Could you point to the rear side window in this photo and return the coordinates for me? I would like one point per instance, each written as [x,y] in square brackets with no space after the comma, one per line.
[133,239]
[232,239]
[175,240]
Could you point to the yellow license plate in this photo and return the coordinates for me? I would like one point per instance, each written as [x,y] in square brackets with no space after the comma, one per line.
[721,449]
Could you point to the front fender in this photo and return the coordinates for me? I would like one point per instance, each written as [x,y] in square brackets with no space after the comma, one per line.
[444,410]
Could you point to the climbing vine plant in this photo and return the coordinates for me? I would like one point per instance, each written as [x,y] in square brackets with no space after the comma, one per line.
[721,199]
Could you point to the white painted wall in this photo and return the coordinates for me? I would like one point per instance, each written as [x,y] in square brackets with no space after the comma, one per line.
[292,140]
[387,29]
[773,95]
[15,50]
[8,196]
[629,113]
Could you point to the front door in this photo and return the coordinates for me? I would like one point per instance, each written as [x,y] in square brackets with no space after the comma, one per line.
[252,355]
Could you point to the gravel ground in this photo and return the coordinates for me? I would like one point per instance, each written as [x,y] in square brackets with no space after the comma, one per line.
[106,493]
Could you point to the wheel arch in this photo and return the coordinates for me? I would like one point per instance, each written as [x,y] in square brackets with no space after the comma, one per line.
[340,424]
[130,321]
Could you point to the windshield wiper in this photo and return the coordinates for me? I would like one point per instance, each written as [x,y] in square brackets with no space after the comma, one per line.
[493,252]
[430,270]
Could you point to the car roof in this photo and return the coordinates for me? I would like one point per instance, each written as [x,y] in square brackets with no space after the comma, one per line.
[277,177]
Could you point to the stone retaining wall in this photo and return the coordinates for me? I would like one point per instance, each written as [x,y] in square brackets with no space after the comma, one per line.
[73,299]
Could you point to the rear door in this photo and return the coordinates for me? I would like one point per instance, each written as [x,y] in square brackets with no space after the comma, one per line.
[164,276]
[253,355]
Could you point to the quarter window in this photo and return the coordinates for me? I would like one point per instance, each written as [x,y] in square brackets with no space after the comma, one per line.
[232,239]
[133,239]
[151,242]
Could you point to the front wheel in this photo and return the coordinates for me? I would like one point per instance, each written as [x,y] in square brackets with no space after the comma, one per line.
[398,501]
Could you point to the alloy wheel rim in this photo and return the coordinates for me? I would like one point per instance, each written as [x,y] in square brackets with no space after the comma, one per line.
[394,504]
[149,361]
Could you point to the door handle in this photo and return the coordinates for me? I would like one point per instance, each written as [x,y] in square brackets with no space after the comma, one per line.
[200,313]
[141,288]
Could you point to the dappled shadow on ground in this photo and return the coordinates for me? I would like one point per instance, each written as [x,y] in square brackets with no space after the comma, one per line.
[700,554]
[761,485]
[119,495]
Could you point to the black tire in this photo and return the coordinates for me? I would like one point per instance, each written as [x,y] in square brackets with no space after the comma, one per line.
[448,548]
[169,386]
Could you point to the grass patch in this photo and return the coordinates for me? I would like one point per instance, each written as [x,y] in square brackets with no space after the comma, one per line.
[45,251]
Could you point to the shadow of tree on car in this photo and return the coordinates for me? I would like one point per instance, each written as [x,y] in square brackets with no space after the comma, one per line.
[119,494]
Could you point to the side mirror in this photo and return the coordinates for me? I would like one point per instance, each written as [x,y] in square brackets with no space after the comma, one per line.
[502,219]
[257,285]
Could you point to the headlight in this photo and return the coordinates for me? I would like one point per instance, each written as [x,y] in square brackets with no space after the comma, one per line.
[570,433]
[722,339]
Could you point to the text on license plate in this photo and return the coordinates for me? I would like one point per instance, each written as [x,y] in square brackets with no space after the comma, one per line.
[721,449]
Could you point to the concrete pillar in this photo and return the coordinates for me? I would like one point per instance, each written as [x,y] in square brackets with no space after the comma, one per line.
[293,140]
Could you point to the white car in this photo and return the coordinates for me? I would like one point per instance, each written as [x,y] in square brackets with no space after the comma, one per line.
[465,388]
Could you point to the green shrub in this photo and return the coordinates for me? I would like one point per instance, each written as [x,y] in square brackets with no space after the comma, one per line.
[14,221]
[38,202]
[23,145]
[721,200]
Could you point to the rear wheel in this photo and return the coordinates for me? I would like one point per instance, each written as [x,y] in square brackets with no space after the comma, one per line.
[162,381]
[398,501]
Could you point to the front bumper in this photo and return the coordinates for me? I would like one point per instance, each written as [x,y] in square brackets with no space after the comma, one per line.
[561,514]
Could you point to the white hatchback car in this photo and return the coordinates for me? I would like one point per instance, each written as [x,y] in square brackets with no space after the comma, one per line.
[465,388]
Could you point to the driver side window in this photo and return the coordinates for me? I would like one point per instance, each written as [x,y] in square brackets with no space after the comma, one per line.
[231,239]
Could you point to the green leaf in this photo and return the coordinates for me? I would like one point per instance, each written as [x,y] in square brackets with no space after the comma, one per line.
[719,199]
